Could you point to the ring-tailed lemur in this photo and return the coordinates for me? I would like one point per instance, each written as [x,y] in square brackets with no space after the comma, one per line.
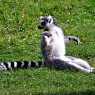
[53,47]
[53,50]
[29,64]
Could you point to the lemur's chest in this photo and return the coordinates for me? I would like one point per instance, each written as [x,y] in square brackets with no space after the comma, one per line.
[55,46]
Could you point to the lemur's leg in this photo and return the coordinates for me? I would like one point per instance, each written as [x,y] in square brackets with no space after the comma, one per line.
[79,64]
[63,64]
[68,39]
[79,61]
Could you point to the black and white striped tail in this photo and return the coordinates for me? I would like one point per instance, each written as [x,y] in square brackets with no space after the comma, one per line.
[19,64]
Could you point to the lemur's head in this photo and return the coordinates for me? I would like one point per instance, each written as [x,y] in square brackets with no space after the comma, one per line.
[45,22]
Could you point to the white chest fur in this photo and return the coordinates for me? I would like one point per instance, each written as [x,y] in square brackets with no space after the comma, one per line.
[58,44]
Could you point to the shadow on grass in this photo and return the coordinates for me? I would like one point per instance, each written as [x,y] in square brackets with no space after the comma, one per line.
[88,92]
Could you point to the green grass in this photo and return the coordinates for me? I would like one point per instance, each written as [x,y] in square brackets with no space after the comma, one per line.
[46,82]
[20,40]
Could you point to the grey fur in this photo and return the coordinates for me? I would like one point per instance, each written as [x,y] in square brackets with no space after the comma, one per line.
[62,61]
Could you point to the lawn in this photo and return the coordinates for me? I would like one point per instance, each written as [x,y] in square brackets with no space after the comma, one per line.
[20,40]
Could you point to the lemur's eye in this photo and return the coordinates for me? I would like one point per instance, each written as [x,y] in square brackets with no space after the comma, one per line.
[46,20]
[43,23]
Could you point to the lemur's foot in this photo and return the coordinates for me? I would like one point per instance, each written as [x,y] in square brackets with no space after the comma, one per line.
[92,70]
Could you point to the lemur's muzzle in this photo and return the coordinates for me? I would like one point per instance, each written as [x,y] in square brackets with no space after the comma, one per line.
[40,27]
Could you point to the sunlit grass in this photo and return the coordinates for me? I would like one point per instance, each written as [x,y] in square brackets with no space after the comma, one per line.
[20,40]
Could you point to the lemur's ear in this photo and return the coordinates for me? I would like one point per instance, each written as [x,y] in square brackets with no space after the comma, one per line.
[54,21]
[41,17]
[50,19]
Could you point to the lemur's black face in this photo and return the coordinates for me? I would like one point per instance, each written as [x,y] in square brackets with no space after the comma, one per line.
[45,21]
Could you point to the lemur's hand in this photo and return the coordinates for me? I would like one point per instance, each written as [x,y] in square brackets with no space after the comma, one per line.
[46,40]
[68,39]
[47,34]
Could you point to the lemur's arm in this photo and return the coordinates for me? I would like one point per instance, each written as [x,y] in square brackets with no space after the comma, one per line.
[47,34]
[47,38]
[68,39]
